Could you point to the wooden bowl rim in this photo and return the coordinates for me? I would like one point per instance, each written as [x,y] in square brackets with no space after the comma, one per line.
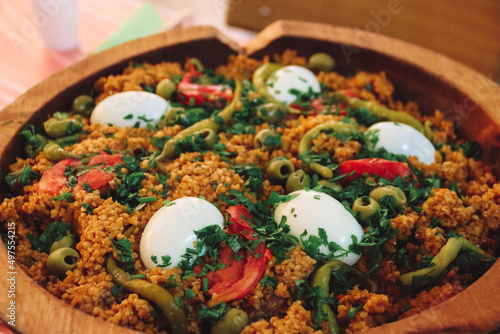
[464,306]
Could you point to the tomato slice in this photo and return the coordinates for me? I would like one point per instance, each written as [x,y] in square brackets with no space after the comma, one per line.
[240,218]
[384,168]
[223,278]
[252,273]
[54,179]
[97,177]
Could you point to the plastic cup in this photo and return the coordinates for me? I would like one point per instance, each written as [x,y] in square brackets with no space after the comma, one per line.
[57,21]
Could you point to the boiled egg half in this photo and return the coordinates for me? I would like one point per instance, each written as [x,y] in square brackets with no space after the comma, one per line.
[281,82]
[171,229]
[399,138]
[131,108]
[310,210]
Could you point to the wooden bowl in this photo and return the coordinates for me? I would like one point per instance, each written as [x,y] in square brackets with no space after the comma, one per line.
[471,100]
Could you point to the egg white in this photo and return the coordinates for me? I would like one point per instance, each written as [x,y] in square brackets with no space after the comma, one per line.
[170,230]
[290,77]
[309,210]
[124,109]
[399,138]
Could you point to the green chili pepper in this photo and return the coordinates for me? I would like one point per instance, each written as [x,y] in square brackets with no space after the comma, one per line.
[54,152]
[176,315]
[446,255]
[306,142]
[322,279]
[381,112]
[226,114]
[168,118]
[428,133]
[68,140]
[32,149]
[57,128]
[259,81]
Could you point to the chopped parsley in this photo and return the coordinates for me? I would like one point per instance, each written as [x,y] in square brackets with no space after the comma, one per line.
[64,197]
[23,176]
[213,314]
[166,260]
[269,281]
[88,208]
[52,233]
[123,249]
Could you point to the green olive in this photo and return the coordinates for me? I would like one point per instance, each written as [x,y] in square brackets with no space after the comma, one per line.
[209,136]
[61,260]
[395,192]
[83,105]
[321,62]
[32,149]
[267,140]
[280,169]
[54,152]
[271,113]
[197,64]
[296,181]
[364,207]
[68,241]
[332,185]
[57,128]
[166,88]
[233,322]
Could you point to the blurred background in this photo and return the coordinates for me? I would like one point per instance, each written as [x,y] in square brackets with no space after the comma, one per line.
[466,30]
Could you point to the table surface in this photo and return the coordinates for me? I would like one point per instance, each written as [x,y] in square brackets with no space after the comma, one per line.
[25,60]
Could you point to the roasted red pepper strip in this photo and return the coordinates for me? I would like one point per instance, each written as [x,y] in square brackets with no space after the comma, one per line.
[373,166]
[188,92]
[54,179]
[252,273]
[240,218]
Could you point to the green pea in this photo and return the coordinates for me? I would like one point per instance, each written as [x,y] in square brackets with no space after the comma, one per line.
[267,140]
[33,149]
[54,152]
[321,62]
[57,128]
[83,105]
[233,322]
[209,136]
[332,185]
[197,64]
[61,260]
[280,169]
[166,88]
[364,207]
[395,192]
[296,181]
[68,241]
[271,113]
